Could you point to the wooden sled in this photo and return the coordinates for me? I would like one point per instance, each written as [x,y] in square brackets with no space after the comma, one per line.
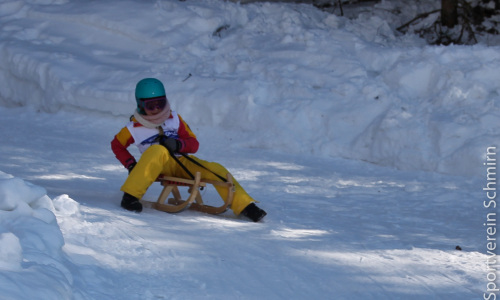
[194,200]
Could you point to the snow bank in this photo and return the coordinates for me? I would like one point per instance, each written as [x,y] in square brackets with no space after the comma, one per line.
[292,78]
[32,264]
[284,77]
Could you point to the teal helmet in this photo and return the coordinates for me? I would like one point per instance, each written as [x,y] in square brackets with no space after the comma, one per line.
[148,88]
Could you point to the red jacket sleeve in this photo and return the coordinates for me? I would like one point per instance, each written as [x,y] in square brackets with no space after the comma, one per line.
[119,146]
[187,138]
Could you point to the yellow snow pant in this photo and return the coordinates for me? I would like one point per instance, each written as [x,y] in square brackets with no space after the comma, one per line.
[156,160]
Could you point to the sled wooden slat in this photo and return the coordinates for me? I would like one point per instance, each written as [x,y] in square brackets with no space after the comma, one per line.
[194,200]
[178,181]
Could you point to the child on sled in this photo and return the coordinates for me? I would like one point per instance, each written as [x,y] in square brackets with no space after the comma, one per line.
[159,133]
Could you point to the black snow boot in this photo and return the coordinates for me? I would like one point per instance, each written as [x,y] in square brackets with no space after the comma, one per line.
[131,203]
[253,212]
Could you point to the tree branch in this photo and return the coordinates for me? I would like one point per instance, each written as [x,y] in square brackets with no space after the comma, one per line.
[421,16]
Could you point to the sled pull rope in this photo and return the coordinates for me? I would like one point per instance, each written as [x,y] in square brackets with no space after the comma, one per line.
[161,133]
[200,165]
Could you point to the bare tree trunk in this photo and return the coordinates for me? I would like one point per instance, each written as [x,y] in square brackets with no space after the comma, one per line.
[449,15]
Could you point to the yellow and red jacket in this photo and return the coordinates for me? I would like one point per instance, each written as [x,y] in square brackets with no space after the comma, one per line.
[134,133]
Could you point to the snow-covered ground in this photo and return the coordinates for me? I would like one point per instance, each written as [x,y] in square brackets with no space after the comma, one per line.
[365,148]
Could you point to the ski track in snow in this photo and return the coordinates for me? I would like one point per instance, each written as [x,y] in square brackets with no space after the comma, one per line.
[335,227]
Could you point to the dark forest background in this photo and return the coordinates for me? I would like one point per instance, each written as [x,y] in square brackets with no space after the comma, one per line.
[439,22]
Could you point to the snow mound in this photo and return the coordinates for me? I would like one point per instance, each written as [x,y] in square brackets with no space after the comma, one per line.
[30,243]
[66,206]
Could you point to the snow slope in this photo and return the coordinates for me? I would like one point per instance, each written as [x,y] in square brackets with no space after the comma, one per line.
[294,102]
[336,229]
[329,86]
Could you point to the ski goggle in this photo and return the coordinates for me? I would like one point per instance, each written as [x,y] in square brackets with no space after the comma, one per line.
[154,103]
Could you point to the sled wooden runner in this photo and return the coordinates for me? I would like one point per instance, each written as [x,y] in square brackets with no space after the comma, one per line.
[194,201]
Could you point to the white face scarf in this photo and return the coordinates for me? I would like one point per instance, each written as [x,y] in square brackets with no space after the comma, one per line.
[153,121]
